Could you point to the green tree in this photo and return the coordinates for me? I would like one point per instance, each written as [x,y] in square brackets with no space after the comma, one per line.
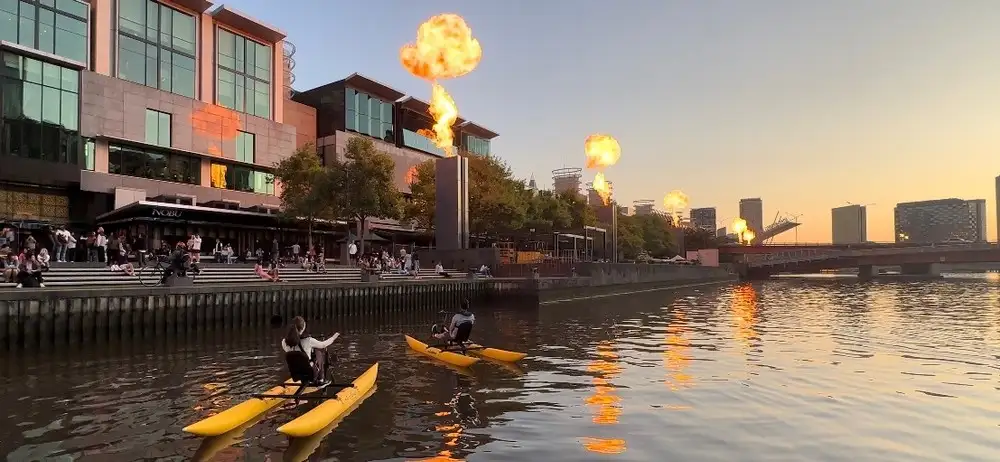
[697,239]
[581,214]
[423,194]
[307,188]
[497,202]
[630,239]
[655,230]
[366,184]
[547,212]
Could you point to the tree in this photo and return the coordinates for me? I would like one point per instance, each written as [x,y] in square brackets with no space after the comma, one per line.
[630,241]
[697,239]
[497,202]
[547,212]
[655,232]
[307,188]
[366,185]
[581,214]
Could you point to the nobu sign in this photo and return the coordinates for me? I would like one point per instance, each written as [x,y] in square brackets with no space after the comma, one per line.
[167,213]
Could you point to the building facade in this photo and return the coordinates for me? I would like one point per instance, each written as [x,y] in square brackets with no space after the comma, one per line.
[704,218]
[111,105]
[359,106]
[752,210]
[643,207]
[850,224]
[943,220]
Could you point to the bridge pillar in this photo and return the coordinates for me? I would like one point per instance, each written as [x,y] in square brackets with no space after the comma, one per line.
[866,272]
[921,269]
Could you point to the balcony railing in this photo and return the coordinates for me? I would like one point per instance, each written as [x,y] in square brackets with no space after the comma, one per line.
[414,140]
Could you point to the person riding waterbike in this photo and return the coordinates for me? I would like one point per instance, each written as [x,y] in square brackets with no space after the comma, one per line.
[459,329]
[306,357]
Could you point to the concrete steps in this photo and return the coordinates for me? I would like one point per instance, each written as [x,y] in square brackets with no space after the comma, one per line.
[84,274]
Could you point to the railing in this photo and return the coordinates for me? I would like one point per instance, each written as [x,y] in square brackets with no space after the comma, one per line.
[806,255]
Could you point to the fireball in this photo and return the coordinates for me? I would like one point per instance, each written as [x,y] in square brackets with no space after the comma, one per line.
[675,202]
[748,236]
[445,49]
[602,187]
[602,151]
[739,226]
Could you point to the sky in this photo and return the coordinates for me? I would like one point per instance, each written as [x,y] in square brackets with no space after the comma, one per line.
[806,104]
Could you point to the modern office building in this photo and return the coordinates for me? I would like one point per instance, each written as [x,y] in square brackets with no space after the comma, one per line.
[135,113]
[942,220]
[752,210]
[997,198]
[704,218]
[850,224]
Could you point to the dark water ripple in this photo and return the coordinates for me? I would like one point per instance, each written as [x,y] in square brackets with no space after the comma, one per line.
[784,370]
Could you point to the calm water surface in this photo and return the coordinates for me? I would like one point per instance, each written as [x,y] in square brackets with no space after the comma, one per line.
[782,370]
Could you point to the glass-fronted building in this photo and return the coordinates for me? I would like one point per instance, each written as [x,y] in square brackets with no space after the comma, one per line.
[104,104]
[939,221]
[704,218]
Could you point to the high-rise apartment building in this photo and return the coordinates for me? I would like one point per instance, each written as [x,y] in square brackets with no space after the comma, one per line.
[752,210]
[643,207]
[942,220]
[850,224]
[704,218]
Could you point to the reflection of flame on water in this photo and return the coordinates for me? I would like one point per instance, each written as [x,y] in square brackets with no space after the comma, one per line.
[677,355]
[744,310]
[451,433]
[608,404]
[604,445]
[217,400]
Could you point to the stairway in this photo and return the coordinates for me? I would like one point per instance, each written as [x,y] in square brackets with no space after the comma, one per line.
[90,275]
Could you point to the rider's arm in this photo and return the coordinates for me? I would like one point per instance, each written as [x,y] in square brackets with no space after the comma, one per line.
[325,343]
[451,327]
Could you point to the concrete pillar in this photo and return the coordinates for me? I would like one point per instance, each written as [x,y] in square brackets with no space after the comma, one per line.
[866,272]
[451,227]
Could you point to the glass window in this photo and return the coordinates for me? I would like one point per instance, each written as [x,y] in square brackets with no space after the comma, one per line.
[156,46]
[244,74]
[368,115]
[240,178]
[157,128]
[153,164]
[52,27]
[40,113]
[245,147]
[89,151]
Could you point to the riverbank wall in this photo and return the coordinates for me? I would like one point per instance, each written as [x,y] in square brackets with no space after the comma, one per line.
[39,318]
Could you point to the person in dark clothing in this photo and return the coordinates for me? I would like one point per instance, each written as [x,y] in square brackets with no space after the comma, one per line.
[177,262]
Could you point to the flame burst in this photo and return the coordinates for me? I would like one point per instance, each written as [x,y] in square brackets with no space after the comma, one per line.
[602,187]
[742,231]
[445,49]
[602,151]
[675,202]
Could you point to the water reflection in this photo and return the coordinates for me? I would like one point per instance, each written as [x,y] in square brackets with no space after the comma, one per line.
[605,401]
[744,312]
[889,371]
[677,352]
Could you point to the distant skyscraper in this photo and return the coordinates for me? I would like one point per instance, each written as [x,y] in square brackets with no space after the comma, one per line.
[567,179]
[941,220]
[998,207]
[532,185]
[703,218]
[850,224]
[643,207]
[752,210]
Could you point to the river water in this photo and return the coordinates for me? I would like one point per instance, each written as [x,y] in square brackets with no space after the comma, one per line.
[824,370]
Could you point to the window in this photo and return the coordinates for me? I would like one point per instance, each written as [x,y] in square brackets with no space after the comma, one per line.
[420,142]
[240,178]
[477,145]
[57,27]
[368,115]
[153,164]
[158,128]
[244,74]
[39,110]
[89,151]
[244,147]
[156,46]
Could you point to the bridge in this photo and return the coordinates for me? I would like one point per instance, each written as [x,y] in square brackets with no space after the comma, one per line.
[923,259]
